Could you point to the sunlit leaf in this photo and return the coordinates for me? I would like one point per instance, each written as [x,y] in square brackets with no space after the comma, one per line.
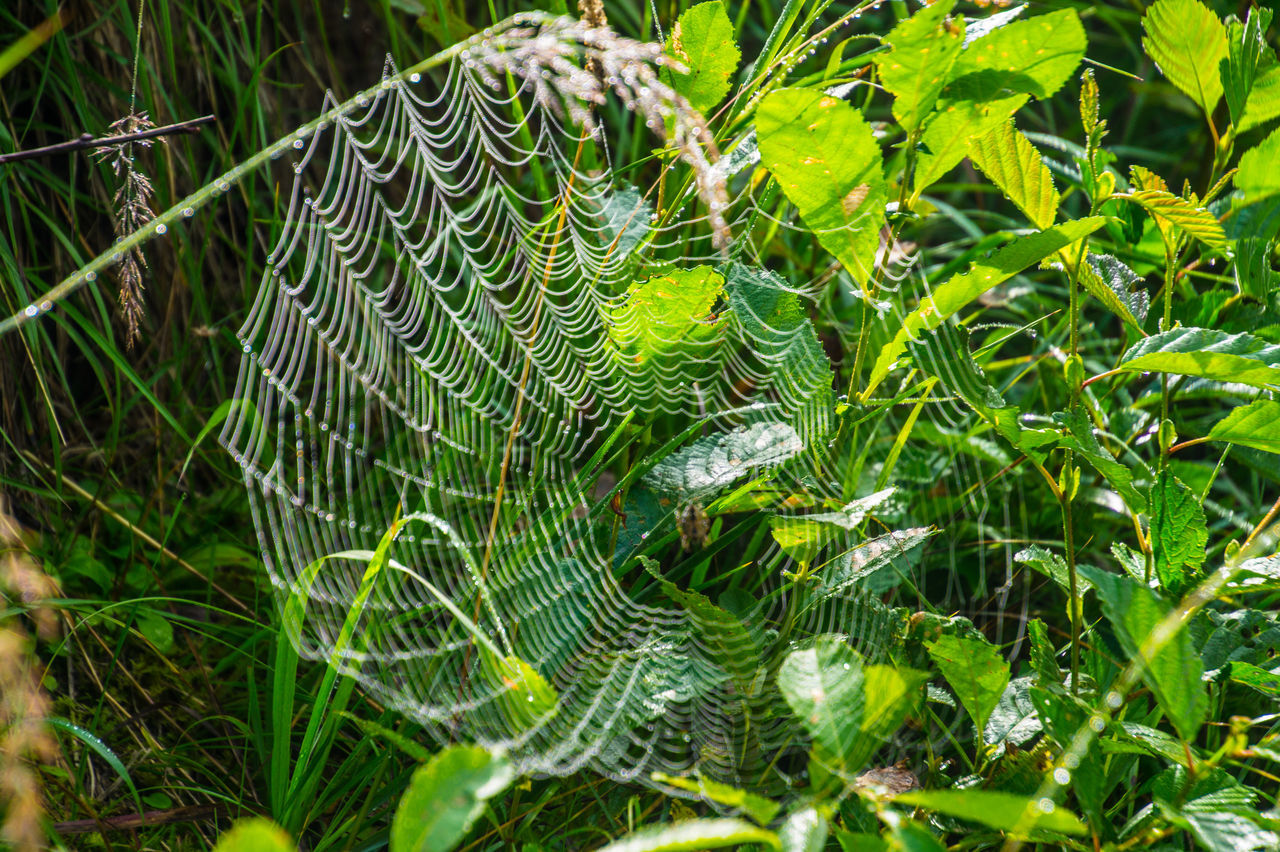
[702,40]
[805,830]
[1187,41]
[824,156]
[1080,438]
[1246,45]
[760,809]
[1034,56]
[1263,104]
[693,834]
[914,70]
[1207,354]
[1012,163]
[1259,176]
[1001,811]
[1174,215]
[802,537]
[1254,425]
[255,834]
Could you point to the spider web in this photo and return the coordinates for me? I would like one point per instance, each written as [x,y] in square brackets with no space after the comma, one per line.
[438,348]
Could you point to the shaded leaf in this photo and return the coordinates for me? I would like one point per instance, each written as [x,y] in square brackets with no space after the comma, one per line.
[723,635]
[1172,670]
[709,464]
[1044,657]
[1207,354]
[1051,565]
[1080,438]
[445,797]
[976,672]
[702,40]
[963,288]
[824,156]
[1187,41]
[1012,163]
[526,699]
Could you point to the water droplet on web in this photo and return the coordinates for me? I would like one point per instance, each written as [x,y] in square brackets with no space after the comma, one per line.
[415,77]
[162,229]
[46,305]
[91,276]
[187,212]
[31,310]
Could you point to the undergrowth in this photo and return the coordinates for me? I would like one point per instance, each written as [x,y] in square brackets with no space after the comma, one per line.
[1030,256]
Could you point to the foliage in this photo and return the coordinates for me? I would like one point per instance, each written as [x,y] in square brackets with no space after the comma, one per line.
[1047,289]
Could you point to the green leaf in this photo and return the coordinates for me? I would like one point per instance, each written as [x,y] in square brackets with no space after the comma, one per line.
[1001,811]
[890,553]
[723,636]
[1258,176]
[760,809]
[710,464]
[1264,98]
[892,693]
[254,834]
[693,834]
[1014,720]
[963,288]
[664,316]
[702,40]
[1254,425]
[1178,532]
[1116,287]
[976,672]
[1079,437]
[101,749]
[445,797]
[804,830]
[1246,45]
[156,628]
[1187,42]
[1034,56]
[525,698]
[1051,565]
[974,106]
[1044,657]
[1207,354]
[922,50]
[848,709]
[802,537]
[825,158]
[786,344]
[1220,811]
[1173,670]
[1263,680]
[1174,216]
[1012,163]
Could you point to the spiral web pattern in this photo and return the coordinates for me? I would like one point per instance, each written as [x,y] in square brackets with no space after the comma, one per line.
[435,340]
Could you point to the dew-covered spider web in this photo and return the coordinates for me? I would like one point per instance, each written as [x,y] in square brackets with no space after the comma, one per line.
[485,373]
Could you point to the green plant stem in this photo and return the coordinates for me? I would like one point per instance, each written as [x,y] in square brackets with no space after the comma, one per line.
[185,208]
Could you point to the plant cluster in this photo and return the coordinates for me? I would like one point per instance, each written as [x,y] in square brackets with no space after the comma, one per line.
[998,567]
